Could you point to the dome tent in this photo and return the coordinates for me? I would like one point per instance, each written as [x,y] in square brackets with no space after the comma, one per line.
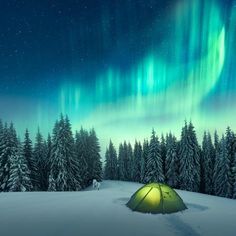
[156,198]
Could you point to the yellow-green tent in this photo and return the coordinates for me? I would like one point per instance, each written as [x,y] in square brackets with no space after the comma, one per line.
[156,198]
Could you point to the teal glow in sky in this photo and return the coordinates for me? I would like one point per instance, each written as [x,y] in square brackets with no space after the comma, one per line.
[125,71]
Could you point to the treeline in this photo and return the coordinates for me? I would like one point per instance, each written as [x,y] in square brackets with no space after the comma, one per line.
[63,162]
[184,164]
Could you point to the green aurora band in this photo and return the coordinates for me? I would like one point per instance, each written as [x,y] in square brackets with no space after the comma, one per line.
[158,92]
[186,75]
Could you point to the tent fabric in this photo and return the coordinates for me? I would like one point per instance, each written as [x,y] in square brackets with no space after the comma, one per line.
[156,198]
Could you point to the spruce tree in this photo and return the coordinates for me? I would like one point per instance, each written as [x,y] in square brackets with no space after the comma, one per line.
[189,160]
[154,171]
[2,144]
[95,166]
[129,160]
[31,162]
[82,155]
[234,190]
[163,153]
[221,170]
[230,146]
[47,164]
[19,175]
[171,161]
[208,160]
[137,158]
[74,179]
[144,158]
[64,169]
[9,148]
[121,163]
[39,155]
[110,162]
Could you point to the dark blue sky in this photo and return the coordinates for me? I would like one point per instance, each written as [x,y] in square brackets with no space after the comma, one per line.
[42,40]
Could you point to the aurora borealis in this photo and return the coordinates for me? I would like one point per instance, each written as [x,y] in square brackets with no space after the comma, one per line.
[121,66]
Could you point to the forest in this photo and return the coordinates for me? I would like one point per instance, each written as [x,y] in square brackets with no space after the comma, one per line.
[69,162]
[61,163]
[183,164]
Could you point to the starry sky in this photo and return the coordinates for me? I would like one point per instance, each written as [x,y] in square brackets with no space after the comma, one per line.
[120,66]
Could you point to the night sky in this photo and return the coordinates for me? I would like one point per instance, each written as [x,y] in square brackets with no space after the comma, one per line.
[121,66]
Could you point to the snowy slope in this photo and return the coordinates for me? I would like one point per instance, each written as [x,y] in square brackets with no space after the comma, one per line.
[104,212]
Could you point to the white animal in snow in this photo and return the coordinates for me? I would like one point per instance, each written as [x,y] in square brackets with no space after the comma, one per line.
[96,184]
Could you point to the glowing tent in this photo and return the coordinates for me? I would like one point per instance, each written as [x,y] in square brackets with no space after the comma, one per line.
[156,198]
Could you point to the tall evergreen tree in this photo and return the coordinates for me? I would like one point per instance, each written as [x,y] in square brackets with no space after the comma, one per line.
[189,160]
[234,190]
[39,155]
[121,163]
[154,162]
[95,166]
[31,162]
[230,146]
[82,155]
[163,153]
[63,173]
[137,158]
[74,179]
[2,144]
[171,161]
[221,170]
[144,158]
[19,174]
[208,156]
[9,148]
[128,161]
[47,163]
[111,162]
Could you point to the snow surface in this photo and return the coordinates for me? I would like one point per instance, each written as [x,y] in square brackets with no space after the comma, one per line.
[103,212]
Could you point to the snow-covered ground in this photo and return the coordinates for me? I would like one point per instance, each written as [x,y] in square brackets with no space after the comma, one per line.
[103,212]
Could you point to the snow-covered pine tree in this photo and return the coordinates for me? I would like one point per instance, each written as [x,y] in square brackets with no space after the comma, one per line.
[74,179]
[63,166]
[208,161]
[121,163]
[48,145]
[216,154]
[39,156]
[129,157]
[234,191]
[4,156]
[81,155]
[19,175]
[110,171]
[221,170]
[163,153]
[154,172]
[230,146]
[31,162]
[144,160]
[137,158]
[1,151]
[9,150]
[189,159]
[95,170]
[171,161]
[58,162]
